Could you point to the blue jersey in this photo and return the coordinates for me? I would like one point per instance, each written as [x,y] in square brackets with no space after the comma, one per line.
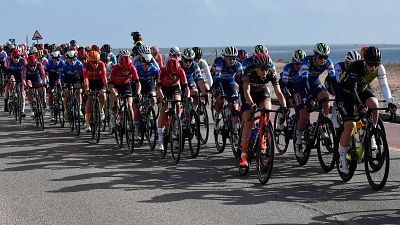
[227,75]
[192,72]
[54,70]
[147,76]
[289,73]
[16,68]
[74,72]
[310,73]
[247,62]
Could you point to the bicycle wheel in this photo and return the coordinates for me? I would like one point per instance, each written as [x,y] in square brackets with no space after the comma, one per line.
[119,133]
[16,109]
[220,138]
[377,161]
[203,120]
[351,158]
[60,110]
[19,108]
[326,147]
[175,138]
[194,136]
[305,145]
[151,128]
[281,136]
[235,131]
[129,131]
[265,158]
[39,110]
[107,114]
[70,117]
[97,123]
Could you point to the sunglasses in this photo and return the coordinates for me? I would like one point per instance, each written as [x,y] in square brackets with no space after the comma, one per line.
[57,59]
[325,57]
[263,68]
[188,60]
[231,58]
[372,64]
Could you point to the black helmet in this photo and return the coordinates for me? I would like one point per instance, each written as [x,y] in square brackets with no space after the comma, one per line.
[73,42]
[105,56]
[198,52]
[106,48]
[373,54]
[136,35]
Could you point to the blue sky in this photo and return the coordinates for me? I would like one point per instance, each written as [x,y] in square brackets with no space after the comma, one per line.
[203,22]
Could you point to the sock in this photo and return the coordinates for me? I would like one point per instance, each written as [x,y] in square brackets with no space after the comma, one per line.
[245,146]
[343,152]
[160,135]
[88,117]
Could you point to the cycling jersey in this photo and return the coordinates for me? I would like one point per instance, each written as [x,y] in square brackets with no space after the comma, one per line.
[15,69]
[356,80]
[54,71]
[159,60]
[166,79]
[192,74]
[72,74]
[287,79]
[205,71]
[136,61]
[309,73]
[147,77]
[247,62]
[3,56]
[227,75]
[121,76]
[34,75]
[43,61]
[257,83]
[109,67]
[113,59]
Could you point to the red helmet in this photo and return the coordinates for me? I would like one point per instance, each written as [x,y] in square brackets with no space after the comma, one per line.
[32,60]
[15,53]
[95,48]
[262,60]
[173,65]
[82,54]
[154,49]
[125,61]
[242,54]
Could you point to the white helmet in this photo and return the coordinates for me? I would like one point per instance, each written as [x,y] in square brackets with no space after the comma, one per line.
[230,51]
[352,56]
[71,54]
[143,49]
[55,55]
[124,52]
[33,50]
[146,58]
[174,51]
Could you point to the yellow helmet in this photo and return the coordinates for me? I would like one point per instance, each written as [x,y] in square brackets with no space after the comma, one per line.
[40,54]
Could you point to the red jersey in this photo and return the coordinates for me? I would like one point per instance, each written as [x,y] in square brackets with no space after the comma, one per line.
[159,60]
[120,75]
[166,79]
[92,73]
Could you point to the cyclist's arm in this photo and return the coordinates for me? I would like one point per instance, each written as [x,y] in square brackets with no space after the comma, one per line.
[184,83]
[304,73]
[154,61]
[207,72]
[277,88]
[85,79]
[135,78]
[246,91]
[384,84]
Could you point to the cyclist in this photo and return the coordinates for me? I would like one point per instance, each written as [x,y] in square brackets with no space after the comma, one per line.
[14,67]
[224,80]
[95,78]
[107,48]
[72,75]
[331,85]
[34,71]
[355,92]
[192,71]
[175,52]
[290,70]
[158,57]
[3,57]
[82,54]
[308,85]
[204,68]
[148,75]
[144,50]
[256,95]
[242,55]
[170,82]
[54,70]
[73,44]
[122,75]
[362,51]
[105,58]
[257,49]
[136,36]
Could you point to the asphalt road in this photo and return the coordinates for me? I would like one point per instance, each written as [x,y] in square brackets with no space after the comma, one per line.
[54,177]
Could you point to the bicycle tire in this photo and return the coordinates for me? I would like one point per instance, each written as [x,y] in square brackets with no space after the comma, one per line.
[305,142]
[352,162]
[129,130]
[118,134]
[60,110]
[194,137]
[20,108]
[382,156]
[151,128]
[204,123]
[265,161]
[175,138]
[327,163]
[235,139]
[280,135]
[40,113]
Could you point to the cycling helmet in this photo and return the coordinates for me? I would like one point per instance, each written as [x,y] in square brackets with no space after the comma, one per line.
[52,47]
[146,58]
[262,60]
[242,54]
[198,52]
[71,54]
[154,49]
[32,60]
[373,54]
[260,48]
[352,56]
[173,65]
[40,54]
[40,47]
[125,61]
[322,49]
[362,51]
[230,51]
[93,56]
[55,55]
[33,50]
[15,53]
[174,51]
[106,48]
[124,52]
[143,49]
[298,56]
[105,56]
[8,43]
[95,48]
[88,48]
[73,43]
[188,53]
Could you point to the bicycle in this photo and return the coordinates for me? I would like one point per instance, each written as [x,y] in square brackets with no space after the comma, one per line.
[58,106]
[231,119]
[95,119]
[202,113]
[37,104]
[360,151]
[148,122]
[261,146]
[107,112]
[124,123]
[191,128]
[173,135]
[313,137]
[74,118]
[283,136]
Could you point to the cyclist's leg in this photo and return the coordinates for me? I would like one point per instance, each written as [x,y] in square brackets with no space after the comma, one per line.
[246,132]
[194,92]
[368,97]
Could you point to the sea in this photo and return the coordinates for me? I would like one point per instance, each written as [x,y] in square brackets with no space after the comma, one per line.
[390,53]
